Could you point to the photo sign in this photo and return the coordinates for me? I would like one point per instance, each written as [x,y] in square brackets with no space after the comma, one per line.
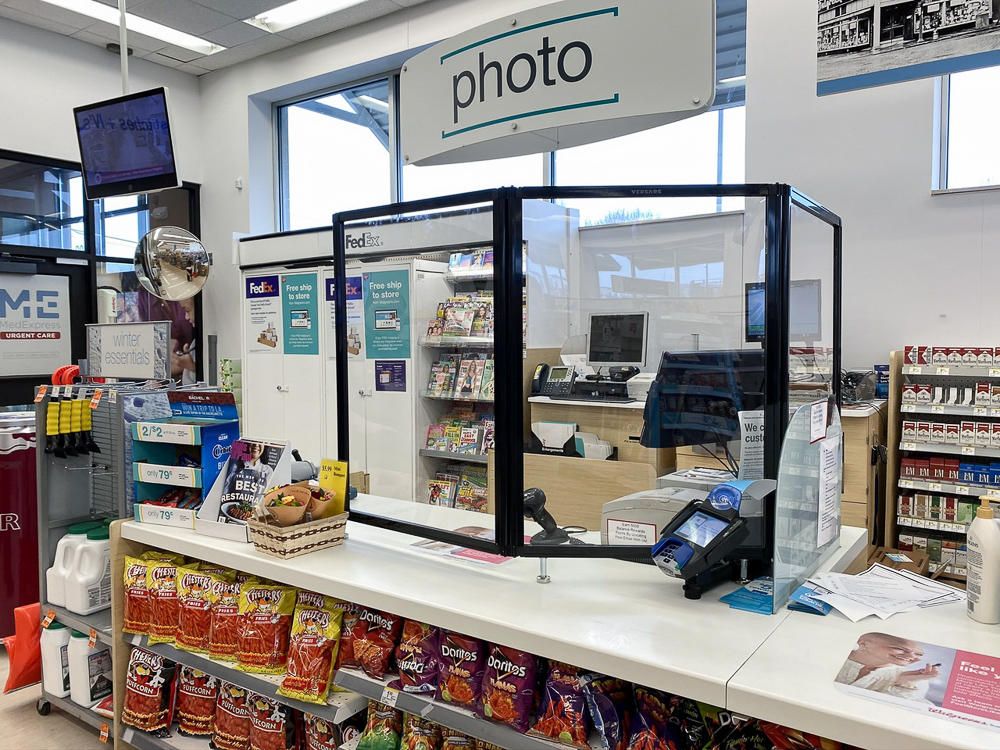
[137,351]
[551,77]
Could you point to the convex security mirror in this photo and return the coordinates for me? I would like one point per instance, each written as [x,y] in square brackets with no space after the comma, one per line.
[171,263]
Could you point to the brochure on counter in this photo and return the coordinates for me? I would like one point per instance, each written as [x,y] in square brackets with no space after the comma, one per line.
[960,686]
[464,554]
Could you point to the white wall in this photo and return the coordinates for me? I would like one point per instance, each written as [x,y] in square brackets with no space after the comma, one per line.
[918,268]
[45,75]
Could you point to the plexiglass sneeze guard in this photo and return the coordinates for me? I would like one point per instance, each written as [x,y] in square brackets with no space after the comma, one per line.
[583,342]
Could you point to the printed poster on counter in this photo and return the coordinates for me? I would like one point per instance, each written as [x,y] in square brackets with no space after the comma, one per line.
[355,316]
[262,314]
[960,686]
[34,324]
[387,314]
[300,305]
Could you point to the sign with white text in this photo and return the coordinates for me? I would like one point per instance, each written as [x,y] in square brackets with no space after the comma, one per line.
[552,77]
[138,351]
[34,324]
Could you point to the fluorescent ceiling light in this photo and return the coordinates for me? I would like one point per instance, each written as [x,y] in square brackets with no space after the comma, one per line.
[109,14]
[297,12]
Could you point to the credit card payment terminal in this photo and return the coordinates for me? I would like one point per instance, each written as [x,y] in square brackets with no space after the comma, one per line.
[695,545]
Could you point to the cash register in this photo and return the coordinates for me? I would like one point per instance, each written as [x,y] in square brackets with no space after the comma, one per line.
[616,344]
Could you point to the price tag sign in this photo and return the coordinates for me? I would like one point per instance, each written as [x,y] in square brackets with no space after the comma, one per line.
[934,487]
[96,399]
[166,432]
[105,732]
[906,484]
[908,408]
[995,372]
[181,476]
[92,641]
[49,617]
[42,390]
[995,412]
[914,370]
[937,409]
[979,411]
[909,446]
[961,489]
[158,515]
[389,697]
[112,397]
[968,450]
[943,371]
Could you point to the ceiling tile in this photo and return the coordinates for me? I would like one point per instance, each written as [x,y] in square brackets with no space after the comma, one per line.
[109,33]
[183,15]
[241,8]
[159,59]
[340,20]
[234,34]
[130,5]
[42,23]
[233,55]
[181,54]
[192,68]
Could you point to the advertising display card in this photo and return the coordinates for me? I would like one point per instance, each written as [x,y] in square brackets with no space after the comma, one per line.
[262,314]
[387,314]
[137,351]
[34,323]
[956,685]
[300,313]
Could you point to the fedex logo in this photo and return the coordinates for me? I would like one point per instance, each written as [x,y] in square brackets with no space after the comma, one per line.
[45,301]
[352,287]
[262,286]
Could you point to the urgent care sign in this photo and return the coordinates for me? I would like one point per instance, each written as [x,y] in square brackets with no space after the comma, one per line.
[34,324]
[556,76]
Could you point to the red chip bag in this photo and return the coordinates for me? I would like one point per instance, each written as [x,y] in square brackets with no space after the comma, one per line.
[231,728]
[225,619]
[375,637]
[197,694]
[417,657]
[346,652]
[321,734]
[161,582]
[563,712]
[509,687]
[460,668]
[264,627]
[315,635]
[194,609]
[148,691]
[136,617]
[272,725]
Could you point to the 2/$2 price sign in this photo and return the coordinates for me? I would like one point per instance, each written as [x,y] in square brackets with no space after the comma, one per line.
[561,75]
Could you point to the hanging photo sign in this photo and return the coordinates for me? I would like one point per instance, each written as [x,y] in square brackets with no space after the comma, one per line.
[136,351]
[552,77]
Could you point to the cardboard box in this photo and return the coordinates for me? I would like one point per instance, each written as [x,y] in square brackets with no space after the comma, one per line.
[919,543]
[952,434]
[923,432]
[908,468]
[965,513]
[955,355]
[938,432]
[938,469]
[923,393]
[916,562]
[934,549]
[952,464]
[984,433]
[949,509]
[970,355]
[920,505]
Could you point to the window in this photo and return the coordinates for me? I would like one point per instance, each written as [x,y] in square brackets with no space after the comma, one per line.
[41,206]
[121,223]
[448,179]
[971,155]
[335,154]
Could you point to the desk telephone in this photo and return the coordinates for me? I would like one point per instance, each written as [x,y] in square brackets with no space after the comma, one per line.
[553,381]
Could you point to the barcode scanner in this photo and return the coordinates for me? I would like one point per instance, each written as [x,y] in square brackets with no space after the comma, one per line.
[534,508]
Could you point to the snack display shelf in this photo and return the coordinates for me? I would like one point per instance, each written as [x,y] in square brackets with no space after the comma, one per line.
[459,719]
[461,342]
[948,488]
[456,397]
[176,741]
[931,525]
[100,621]
[340,706]
[957,410]
[957,371]
[954,450]
[474,458]
[79,712]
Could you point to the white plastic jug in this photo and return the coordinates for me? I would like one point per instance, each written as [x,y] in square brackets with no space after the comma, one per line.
[65,559]
[55,660]
[88,585]
[90,672]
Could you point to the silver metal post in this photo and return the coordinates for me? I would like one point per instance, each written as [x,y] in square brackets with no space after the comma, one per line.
[123,45]
[543,570]
[743,573]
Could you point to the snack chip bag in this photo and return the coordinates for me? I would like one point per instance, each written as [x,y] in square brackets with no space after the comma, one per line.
[420,734]
[382,732]
[351,612]
[651,728]
[197,694]
[231,727]
[562,715]
[453,740]
[272,725]
[374,641]
[417,658]
[460,668]
[137,614]
[508,687]
[225,618]
[321,734]
[314,641]
[161,582]
[148,691]
[194,609]
[263,630]
[610,703]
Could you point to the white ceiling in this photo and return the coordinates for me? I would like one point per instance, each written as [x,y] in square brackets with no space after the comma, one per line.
[218,21]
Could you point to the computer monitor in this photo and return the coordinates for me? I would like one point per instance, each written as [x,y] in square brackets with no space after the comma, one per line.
[805,305]
[125,145]
[617,339]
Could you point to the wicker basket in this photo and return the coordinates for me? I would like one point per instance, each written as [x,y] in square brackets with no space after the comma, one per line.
[292,541]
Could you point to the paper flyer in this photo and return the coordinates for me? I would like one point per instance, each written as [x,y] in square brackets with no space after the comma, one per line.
[956,685]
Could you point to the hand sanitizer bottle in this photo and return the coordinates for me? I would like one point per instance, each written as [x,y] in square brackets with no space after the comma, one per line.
[983,584]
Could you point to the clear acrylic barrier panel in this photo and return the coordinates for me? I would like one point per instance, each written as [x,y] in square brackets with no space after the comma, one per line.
[807,506]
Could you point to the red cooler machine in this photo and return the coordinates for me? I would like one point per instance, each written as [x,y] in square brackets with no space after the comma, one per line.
[18,516]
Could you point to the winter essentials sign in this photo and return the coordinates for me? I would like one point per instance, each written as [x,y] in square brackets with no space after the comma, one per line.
[561,75]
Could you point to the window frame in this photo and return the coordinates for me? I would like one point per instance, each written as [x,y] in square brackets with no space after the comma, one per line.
[941,142]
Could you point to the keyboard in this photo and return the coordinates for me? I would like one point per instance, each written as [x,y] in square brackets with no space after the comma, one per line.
[596,399]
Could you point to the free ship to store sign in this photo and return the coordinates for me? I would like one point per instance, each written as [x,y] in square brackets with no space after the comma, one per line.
[556,76]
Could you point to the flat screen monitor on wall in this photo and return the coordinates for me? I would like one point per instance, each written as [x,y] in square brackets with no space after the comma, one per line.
[617,339]
[125,145]
[805,304]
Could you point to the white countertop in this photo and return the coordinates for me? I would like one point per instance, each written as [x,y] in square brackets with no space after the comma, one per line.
[637,404]
[790,680]
[622,619]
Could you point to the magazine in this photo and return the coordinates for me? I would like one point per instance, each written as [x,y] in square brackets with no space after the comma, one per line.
[957,685]
[248,478]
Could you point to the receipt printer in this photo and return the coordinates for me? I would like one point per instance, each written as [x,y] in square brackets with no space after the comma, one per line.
[639,518]
[703,543]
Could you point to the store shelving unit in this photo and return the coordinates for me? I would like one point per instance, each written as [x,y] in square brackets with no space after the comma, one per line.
[471,458]
[78,712]
[98,621]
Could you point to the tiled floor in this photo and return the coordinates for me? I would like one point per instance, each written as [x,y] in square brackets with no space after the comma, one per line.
[21,728]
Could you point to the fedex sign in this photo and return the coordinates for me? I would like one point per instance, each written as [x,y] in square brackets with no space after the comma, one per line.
[262,286]
[34,323]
